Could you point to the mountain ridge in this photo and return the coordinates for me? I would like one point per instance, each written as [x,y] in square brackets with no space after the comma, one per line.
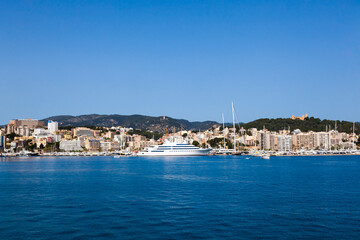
[137,121]
[161,123]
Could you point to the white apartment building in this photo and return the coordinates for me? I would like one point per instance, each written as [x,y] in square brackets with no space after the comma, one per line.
[284,143]
[53,126]
[40,133]
[70,145]
[107,146]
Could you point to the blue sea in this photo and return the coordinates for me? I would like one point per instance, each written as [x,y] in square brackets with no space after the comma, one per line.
[221,197]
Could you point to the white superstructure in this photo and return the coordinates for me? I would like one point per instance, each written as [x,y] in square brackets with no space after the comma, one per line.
[174,149]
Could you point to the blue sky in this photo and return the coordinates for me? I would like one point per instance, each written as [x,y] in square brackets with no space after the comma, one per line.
[184,59]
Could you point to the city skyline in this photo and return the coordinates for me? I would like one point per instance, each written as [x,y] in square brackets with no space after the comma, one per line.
[185,60]
[163,116]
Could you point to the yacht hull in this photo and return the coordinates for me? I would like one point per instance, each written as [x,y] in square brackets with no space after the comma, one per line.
[170,153]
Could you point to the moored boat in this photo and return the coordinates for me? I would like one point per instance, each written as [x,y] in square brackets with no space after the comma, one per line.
[174,149]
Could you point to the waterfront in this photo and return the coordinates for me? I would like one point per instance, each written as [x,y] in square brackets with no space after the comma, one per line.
[208,197]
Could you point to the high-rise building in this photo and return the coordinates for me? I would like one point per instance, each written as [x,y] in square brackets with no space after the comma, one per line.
[284,143]
[53,126]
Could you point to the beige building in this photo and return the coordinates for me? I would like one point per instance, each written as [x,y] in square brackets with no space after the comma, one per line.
[300,118]
[64,134]
[92,144]
[83,132]
[109,146]
[23,126]
[303,140]
[110,135]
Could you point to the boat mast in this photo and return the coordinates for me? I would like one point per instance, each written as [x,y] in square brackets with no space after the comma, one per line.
[335,135]
[353,136]
[255,137]
[173,134]
[233,115]
[223,129]
[181,134]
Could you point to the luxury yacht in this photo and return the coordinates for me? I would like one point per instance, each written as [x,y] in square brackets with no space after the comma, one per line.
[174,149]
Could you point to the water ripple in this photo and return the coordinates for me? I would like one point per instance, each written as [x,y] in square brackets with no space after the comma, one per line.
[223,197]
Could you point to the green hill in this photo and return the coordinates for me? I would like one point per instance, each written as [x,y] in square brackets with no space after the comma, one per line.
[159,124]
[309,124]
[156,124]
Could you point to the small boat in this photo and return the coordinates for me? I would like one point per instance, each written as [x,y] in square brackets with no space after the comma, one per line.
[265,156]
[236,153]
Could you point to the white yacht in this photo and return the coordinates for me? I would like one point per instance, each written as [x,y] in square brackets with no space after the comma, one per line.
[174,149]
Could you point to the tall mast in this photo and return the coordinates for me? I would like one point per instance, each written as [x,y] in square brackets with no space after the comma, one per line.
[233,115]
[335,134]
[353,135]
[255,139]
[223,129]
[181,137]
[329,136]
[173,134]
[327,140]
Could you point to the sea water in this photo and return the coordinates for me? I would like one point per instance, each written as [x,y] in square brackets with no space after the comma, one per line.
[221,197]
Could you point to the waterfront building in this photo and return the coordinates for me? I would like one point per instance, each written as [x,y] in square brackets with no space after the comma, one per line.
[284,143]
[322,140]
[138,143]
[40,133]
[23,131]
[110,135]
[92,144]
[109,146]
[123,139]
[53,126]
[15,125]
[250,140]
[267,141]
[83,132]
[39,142]
[64,134]
[253,131]
[97,133]
[303,140]
[70,145]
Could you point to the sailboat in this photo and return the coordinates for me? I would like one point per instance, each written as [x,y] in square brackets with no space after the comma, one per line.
[233,115]
[223,150]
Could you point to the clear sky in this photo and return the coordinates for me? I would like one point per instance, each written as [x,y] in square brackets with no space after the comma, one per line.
[184,59]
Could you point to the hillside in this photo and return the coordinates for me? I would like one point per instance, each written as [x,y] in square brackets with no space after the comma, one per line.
[309,124]
[159,124]
[156,124]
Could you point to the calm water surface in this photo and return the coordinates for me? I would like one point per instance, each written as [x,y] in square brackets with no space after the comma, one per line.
[180,198]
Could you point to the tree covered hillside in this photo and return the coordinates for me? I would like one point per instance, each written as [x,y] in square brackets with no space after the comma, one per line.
[309,124]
